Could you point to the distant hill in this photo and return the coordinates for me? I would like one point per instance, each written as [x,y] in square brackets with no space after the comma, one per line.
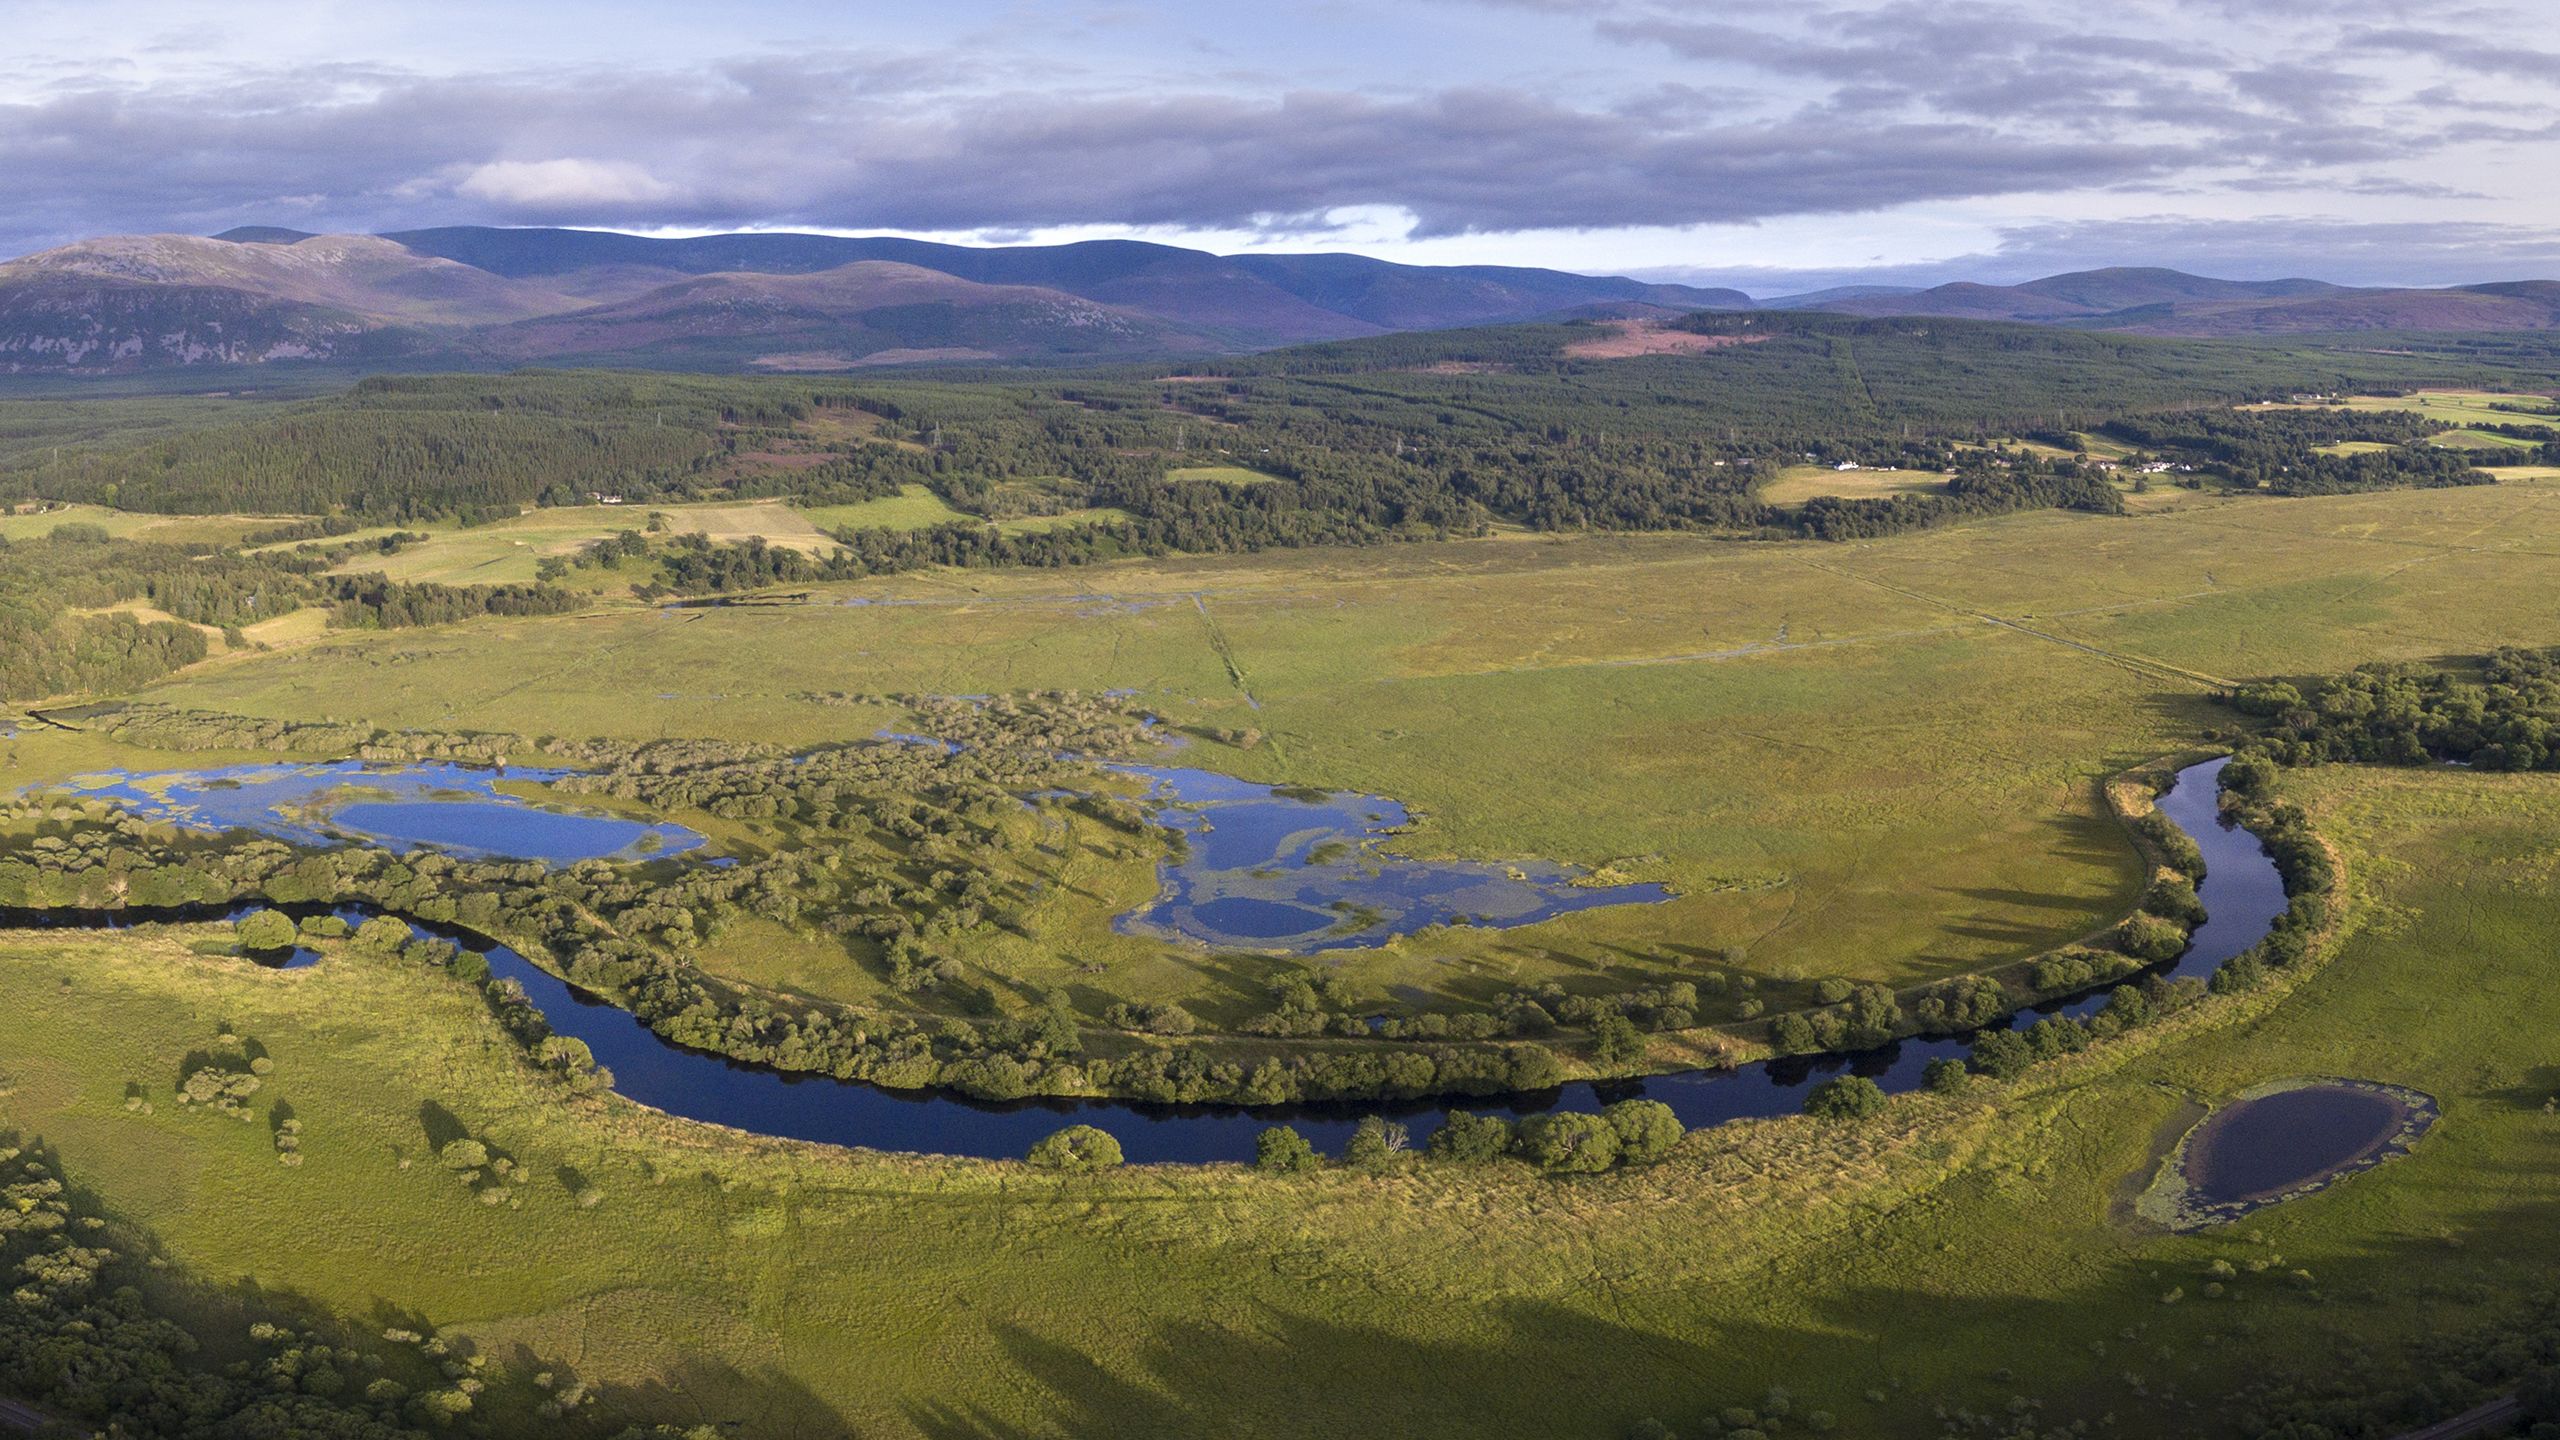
[868,312]
[483,295]
[2171,302]
[473,296]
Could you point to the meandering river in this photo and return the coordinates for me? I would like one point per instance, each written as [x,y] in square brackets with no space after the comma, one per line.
[2242,895]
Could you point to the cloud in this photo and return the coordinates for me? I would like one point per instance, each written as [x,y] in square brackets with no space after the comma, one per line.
[815,143]
[1669,114]
[563,186]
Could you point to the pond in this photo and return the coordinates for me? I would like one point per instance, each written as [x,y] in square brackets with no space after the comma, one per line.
[2280,1141]
[1293,870]
[457,809]
[2241,891]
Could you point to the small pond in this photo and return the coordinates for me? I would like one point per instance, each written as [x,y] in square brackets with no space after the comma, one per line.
[2281,1141]
[457,809]
[1281,868]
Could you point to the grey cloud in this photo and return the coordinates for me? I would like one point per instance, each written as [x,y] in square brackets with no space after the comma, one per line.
[899,146]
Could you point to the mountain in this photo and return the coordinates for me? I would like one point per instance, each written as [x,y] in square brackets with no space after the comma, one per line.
[2170,302]
[478,295]
[1254,300]
[1813,299]
[867,312]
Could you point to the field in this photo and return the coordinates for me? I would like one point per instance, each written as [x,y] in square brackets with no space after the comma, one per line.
[2462,409]
[1798,483]
[1871,761]
[28,523]
[1221,474]
[1960,1252]
[505,552]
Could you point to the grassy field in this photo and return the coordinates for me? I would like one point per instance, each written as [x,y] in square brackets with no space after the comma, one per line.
[30,524]
[1798,483]
[1962,1252]
[2454,407]
[1878,761]
[1221,474]
[506,551]
[912,508]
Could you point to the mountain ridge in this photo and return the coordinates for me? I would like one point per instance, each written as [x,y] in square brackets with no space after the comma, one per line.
[782,301]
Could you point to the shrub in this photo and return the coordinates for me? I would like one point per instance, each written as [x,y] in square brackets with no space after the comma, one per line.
[265,930]
[1845,1097]
[1283,1151]
[1944,1076]
[1646,1130]
[1078,1150]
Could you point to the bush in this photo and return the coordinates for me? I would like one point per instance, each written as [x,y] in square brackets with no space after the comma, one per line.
[1570,1142]
[1646,1130]
[1471,1139]
[1078,1150]
[1845,1097]
[1945,1077]
[265,930]
[1284,1151]
[382,933]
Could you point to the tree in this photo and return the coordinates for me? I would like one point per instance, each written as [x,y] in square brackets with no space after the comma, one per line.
[1471,1139]
[1845,1097]
[1569,1141]
[1078,1150]
[1284,1151]
[464,1154]
[1614,1040]
[1373,1141]
[382,933]
[2002,1054]
[1646,1130]
[1944,1076]
[265,930]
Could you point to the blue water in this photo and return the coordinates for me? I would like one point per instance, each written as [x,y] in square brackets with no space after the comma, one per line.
[457,809]
[1272,868]
[2241,892]
[2263,1147]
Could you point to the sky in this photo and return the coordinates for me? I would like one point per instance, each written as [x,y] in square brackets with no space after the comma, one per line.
[1775,145]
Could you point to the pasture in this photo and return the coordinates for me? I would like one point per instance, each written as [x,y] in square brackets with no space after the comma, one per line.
[30,521]
[505,552]
[1798,483]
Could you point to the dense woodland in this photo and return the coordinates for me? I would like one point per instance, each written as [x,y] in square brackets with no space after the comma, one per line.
[1358,442]
[2501,712]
